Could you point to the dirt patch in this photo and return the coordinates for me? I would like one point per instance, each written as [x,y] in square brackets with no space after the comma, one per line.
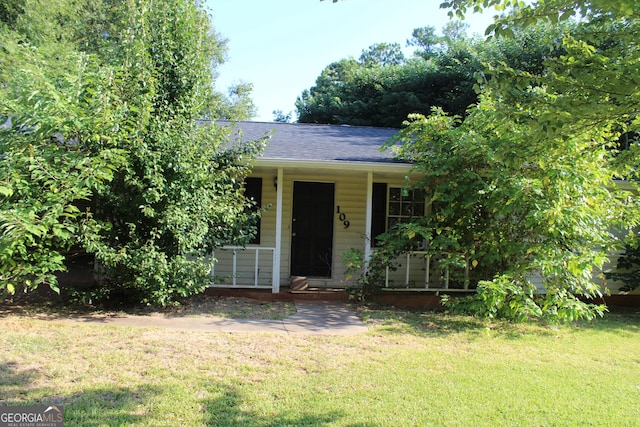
[200,305]
[233,308]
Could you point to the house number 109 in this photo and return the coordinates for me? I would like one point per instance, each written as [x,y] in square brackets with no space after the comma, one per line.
[343,217]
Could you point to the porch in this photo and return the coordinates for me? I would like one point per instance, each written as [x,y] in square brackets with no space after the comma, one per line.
[256,268]
[325,190]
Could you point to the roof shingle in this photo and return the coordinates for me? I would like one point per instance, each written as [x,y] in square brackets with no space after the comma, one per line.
[302,141]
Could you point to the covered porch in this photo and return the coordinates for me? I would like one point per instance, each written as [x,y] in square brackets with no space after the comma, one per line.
[325,190]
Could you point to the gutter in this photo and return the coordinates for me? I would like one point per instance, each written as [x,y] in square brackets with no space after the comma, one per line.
[335,165]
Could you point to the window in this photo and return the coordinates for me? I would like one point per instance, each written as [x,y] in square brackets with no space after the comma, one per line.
[253,191]
[404,205]
[394,205]
[626,140]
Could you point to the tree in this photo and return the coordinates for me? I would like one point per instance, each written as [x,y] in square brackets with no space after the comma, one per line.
[168,188]
[366,94]
[593,83]
[426,39]
[525,183]
[382,54]
[280,117]
[321,105]
[181,194]
[378,91]
[455,30]
[238,105]
[514,210]
[55,150]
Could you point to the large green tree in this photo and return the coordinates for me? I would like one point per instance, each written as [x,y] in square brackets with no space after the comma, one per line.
[348,92]
[56,144]
[117,87]
[527,183]
[382,87]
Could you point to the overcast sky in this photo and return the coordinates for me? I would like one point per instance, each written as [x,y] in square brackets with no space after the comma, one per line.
[281,46]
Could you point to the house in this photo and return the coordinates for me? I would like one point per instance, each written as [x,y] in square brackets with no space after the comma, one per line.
[325,189]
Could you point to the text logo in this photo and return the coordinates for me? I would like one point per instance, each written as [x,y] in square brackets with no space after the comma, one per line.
[31,416]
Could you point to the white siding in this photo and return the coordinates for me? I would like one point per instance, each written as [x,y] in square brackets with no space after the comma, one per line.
[350,198]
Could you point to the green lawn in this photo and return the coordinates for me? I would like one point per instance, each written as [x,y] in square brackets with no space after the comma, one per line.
[411,369]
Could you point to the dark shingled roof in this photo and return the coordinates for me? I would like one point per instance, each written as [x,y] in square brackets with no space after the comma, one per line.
[302,141]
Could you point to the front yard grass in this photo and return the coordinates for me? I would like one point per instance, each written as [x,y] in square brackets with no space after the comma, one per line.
[410,369]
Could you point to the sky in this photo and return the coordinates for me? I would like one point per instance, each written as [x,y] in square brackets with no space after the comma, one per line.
[282,46]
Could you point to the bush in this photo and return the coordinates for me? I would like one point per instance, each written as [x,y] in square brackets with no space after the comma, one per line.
[517,301]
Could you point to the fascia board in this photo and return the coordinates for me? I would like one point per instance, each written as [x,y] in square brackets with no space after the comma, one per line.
[335,165]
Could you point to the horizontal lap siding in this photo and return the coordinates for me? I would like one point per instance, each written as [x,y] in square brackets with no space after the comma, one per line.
[245,267]
[350,196]
[245,259]
[418,273]
[268,220]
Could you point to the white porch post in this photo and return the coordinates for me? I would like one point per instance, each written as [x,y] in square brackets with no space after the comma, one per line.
[368,221]
[275,286]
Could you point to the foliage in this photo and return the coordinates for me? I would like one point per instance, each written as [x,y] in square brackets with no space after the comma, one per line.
[505,298]
[111,105]
[370,274]
[280,117]
[181,193]
[366,274]
[56,150]
[524,184]
[349,93]
[382,54]
[522,14]
[500,298]
[628,268]
[525,210]
[238,105]
[382,87]
[10,10]
[427,41]
[354,267]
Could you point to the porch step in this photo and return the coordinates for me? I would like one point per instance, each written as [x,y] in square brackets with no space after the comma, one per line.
[318,294]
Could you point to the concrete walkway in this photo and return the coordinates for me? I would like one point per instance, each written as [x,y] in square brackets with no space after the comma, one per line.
[311,318]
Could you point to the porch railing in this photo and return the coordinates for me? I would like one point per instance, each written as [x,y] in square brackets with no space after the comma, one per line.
[420,271]
[227,276]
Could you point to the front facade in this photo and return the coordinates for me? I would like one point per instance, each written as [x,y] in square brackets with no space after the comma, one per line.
[325,189]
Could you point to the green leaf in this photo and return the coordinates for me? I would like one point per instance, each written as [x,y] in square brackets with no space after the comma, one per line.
[6,191]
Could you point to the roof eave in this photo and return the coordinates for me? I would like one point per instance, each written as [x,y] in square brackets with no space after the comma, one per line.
[335,165]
